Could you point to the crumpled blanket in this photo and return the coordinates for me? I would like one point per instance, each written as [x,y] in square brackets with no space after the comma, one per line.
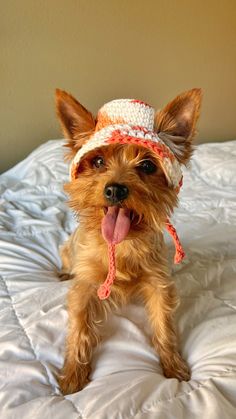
[126,380]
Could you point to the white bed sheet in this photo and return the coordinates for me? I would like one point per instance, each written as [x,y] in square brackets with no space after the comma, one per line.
[126,380]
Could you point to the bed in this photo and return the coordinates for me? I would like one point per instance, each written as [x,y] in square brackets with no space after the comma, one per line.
[126,379]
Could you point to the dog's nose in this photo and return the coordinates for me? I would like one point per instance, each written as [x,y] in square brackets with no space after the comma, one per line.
[116,192]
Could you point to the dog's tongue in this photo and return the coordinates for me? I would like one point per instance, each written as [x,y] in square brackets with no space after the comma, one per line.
[116,224]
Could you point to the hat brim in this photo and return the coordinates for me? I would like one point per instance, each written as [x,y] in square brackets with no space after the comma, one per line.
[126,134]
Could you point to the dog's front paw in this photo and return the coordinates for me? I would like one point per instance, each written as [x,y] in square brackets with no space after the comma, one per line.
[176,367]
[71,381]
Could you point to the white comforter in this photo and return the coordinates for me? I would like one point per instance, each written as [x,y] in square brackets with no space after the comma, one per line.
[126,381]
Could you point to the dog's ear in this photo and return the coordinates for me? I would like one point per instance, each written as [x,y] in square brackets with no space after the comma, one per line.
[176,123]
[77,123]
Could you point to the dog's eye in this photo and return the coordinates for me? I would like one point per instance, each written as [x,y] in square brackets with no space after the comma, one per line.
[98,162]
[147,166]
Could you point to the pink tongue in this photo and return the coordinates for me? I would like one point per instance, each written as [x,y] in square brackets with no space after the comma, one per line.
[115,224]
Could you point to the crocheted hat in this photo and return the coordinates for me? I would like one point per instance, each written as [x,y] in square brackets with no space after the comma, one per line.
[129,121]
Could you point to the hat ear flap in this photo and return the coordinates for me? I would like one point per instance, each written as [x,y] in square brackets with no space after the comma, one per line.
[176,123]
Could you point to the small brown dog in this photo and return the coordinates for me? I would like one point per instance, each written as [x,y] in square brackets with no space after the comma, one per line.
[125,179]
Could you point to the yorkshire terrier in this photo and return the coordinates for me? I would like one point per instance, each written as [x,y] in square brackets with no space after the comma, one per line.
[125,177]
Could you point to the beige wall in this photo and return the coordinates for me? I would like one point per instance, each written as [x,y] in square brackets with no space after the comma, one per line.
[104,49]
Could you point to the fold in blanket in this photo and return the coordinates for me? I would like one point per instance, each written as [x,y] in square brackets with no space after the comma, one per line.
[126,379]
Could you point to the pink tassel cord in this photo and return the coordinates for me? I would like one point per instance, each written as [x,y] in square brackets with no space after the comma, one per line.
[179,251]
[105,289]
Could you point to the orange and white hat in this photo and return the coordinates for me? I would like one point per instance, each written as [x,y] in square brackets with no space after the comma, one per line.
[129,121]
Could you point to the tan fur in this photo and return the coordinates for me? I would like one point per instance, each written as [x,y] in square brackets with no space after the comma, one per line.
[141,258]
[77,123]
[176,123]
